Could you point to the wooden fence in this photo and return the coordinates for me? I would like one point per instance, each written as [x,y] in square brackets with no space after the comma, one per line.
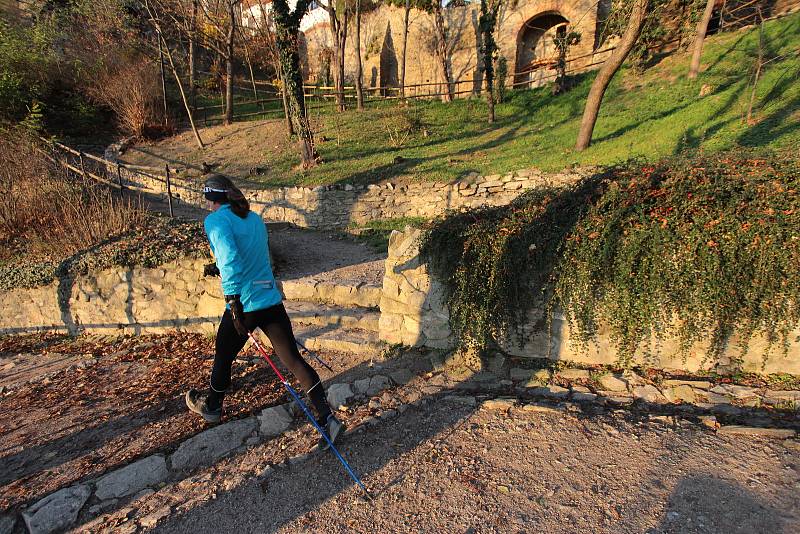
[119,176]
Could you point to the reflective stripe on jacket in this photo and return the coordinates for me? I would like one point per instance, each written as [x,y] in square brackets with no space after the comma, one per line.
[241,251]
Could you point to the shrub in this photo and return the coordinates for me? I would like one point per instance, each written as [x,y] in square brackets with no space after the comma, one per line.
[699,247]
[130,88]
[46,212]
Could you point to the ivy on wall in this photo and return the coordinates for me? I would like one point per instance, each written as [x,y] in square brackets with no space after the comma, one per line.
[698,247]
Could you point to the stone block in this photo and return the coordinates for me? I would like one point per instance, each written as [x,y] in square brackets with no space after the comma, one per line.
[582,394]
[574,374]
[132,478]
[401,377]
[611,382]
[361,386]
[681,393]
[273,421]
[339,394]
[212,444]
[777,433]
[734,391]
[57,511]
[518,374]
[377,384]
[697,384]
[501,405]
[649,393]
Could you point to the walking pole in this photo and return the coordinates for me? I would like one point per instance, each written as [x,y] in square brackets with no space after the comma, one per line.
[313,355]
[305,409]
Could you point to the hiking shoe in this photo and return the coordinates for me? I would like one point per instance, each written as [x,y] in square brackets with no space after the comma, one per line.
[334,428]
[198,403]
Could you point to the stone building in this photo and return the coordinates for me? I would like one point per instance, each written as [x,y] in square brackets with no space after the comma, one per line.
[525,34]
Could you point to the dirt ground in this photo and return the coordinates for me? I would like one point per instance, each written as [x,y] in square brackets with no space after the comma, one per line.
[232,149]
[93,404]
[444,466]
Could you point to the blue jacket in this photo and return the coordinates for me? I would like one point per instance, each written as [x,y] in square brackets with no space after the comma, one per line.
[241,251]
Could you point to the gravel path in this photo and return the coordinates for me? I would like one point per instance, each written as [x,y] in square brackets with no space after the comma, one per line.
[445,466]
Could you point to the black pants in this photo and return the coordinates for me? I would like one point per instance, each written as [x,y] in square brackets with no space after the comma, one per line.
[274,322]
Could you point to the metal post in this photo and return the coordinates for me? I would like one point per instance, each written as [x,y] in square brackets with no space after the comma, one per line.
[169,191]
[119,177]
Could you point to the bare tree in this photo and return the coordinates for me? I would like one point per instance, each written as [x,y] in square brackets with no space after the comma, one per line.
[607,71]
[153,15]
[440,30]
[339,15]
[359,67]
[702,27]
[287,26]
[263,31]
[487,24]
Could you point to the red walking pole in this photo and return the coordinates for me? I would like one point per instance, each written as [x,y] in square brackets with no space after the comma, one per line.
[308,413]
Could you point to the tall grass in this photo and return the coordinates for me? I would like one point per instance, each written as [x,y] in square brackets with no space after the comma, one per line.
[46,212]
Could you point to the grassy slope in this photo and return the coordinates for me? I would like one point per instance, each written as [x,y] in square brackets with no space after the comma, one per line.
[653,115]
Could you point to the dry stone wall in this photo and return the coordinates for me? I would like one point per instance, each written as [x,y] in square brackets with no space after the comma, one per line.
[337,206]
[414,313]
[123,300]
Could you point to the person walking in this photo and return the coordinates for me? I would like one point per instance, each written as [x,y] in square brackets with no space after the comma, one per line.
[239,243]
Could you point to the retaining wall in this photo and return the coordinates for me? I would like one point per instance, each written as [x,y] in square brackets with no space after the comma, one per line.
[337,206]
[122,300]
[413,312]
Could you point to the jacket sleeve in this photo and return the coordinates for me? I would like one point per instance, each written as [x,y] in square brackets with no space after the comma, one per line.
[226,254]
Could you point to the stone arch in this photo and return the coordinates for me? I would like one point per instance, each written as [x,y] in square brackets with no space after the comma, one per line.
[581,14]
[536,50]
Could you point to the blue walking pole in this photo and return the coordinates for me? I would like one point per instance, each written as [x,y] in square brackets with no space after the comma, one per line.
[314,355]
[310,416]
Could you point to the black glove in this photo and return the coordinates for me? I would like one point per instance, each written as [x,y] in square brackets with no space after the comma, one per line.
[211,270]
[237,313]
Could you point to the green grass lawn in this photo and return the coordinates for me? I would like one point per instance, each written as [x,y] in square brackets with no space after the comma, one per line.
[650,115]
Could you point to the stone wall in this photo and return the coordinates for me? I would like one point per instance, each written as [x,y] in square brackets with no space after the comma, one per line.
[337,206]
[413,313]
[122,300]
[382,42]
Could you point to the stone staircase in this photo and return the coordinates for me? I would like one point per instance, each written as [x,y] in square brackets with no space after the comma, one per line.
[334,316]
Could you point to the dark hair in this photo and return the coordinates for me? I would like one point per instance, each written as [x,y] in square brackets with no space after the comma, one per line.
[233,196]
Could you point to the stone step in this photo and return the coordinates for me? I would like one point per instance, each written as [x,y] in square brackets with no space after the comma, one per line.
[338,339]
[317,314]
[347,295]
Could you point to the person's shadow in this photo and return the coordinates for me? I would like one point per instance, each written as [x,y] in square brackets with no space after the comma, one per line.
[703,503]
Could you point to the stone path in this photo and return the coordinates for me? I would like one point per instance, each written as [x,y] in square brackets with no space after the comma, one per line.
[544,456]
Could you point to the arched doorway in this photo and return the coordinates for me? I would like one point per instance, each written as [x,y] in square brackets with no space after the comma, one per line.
[536,50]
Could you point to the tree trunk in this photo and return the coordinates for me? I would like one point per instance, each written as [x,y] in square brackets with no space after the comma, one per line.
[180,88]
[339,35]
[359,68]
[405,47]
[607,71]
[229,65]
[289,126]
[293,80]
[287,25]
[163,79]
[759,66]
[250,68]
[487,23]
[702,27]
[441,50]
[192,54]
